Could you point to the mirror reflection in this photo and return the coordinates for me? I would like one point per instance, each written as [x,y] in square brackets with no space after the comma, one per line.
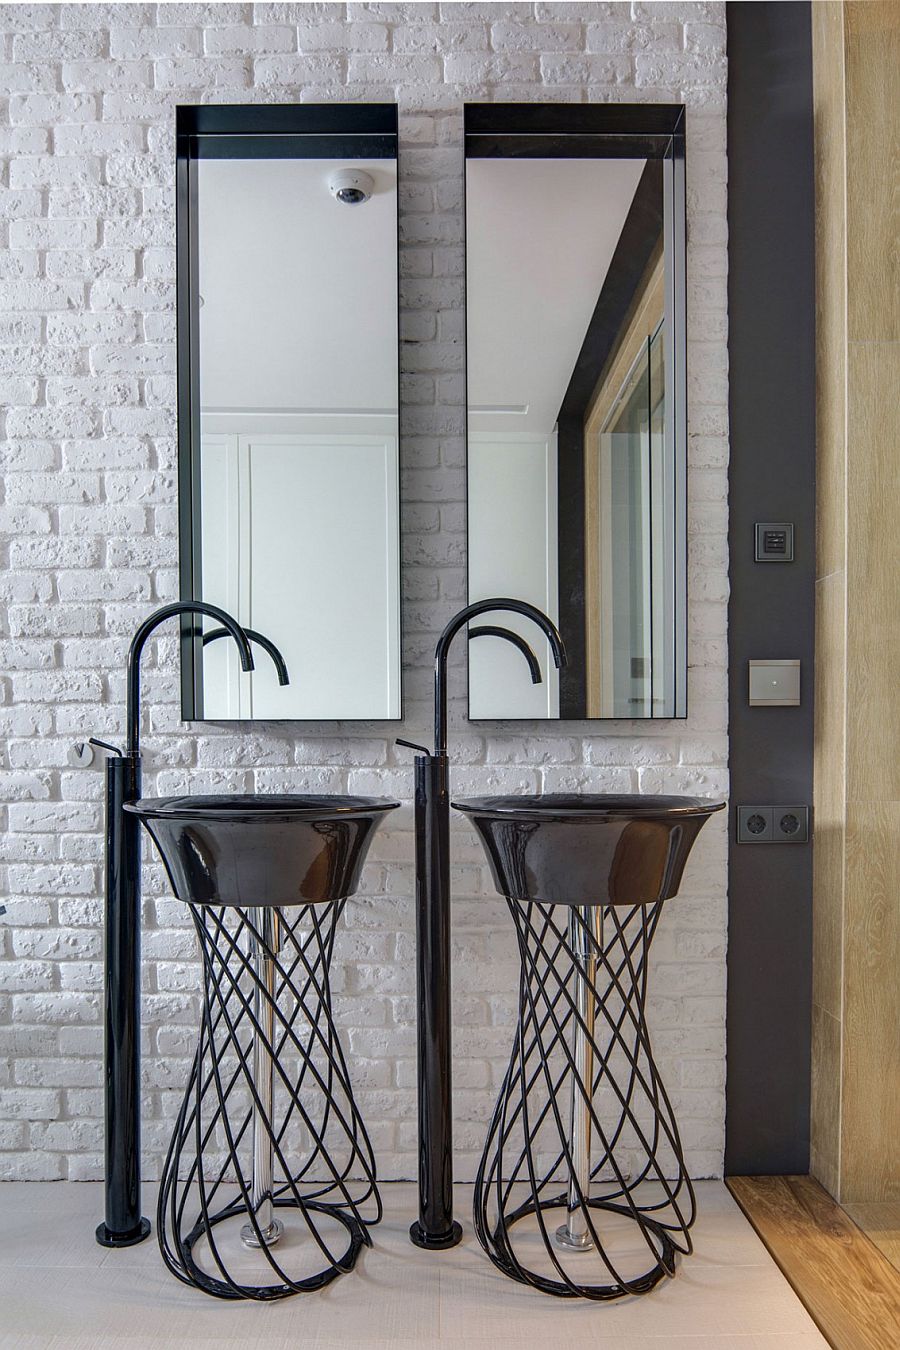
[575,339]
[294,522]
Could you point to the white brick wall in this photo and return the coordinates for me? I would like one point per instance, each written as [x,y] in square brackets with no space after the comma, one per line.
[88,532]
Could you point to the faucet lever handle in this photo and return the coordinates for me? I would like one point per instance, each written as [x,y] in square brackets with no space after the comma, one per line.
[105,745]
[411,745]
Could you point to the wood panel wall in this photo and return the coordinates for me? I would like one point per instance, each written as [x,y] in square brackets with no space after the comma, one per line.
[855,1126]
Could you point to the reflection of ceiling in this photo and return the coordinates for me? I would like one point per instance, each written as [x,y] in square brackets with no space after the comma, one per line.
[540,234]
[299,290]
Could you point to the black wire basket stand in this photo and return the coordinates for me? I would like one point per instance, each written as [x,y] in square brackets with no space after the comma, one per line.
[583,1130]
[268,1129]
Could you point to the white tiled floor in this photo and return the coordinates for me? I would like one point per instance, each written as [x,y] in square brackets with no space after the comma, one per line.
[61,1291]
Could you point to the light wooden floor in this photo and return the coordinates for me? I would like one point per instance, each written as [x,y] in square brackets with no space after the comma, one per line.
[60,1291]
[850,1288]
[880,1221]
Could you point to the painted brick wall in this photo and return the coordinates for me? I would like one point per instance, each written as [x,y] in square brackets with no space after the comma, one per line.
[88,533]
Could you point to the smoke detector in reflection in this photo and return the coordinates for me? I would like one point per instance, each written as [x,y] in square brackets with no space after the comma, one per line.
[351,186]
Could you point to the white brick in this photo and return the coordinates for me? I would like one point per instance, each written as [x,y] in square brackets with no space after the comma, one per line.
[468,68]
[18,389]
[52,45]
[102,15]
[23,140]
[239,40]
[52,233]
[52,109]
[532,37]
[29,18]
[141,295]
[90,199]
[566,69]
[290,72]
[91,76]
[97,138]
[134,43]
[20,77]
[196,73]
[441,37]
[201,14]
[42,295]
[621,35]
[29,1104]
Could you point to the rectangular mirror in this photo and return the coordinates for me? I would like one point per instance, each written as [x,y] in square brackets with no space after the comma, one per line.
[575,351]
[288,406]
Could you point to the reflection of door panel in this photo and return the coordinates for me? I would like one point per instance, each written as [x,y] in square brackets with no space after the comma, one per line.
[300,527]
[662,536]
[625,551]
[512,552]
[627,501]
[222,558]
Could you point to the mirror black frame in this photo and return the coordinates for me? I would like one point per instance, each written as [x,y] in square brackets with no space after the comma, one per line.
[245,131]
[653,131]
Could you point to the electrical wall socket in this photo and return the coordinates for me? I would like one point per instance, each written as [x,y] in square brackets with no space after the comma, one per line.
[790,824]
[773,824]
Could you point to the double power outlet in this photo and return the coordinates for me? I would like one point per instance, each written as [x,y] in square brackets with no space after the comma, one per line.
[773,824]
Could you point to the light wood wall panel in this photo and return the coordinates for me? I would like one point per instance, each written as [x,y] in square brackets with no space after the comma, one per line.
[831,282]
[872,58]
[856,1036]
[829,751]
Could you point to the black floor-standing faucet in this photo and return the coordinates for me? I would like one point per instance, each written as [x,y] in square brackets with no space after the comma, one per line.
[435,1227]
[124,1225]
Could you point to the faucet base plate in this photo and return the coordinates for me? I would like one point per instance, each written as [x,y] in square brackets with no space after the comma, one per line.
[573,1242]
[419,1237]
[270,1235]
[107,1238]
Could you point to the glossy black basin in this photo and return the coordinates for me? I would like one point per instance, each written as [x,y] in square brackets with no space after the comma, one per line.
[262,850]
[584,849]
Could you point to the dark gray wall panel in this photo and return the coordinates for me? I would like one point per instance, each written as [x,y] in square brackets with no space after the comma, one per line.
[771,301]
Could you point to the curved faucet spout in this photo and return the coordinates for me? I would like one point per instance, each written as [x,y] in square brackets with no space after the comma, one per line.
[262,641]
[442,650]
[133,668]
[491,630]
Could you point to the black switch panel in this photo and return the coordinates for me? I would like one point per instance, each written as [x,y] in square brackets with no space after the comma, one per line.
[773,541]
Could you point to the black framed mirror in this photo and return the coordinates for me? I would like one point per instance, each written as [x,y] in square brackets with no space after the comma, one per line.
[576,403]
[288,406]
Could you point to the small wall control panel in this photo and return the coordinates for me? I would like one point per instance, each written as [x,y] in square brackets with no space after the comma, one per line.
[773,824]
[773,541]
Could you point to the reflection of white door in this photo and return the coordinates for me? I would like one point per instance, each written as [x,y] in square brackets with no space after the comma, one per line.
[512,552]
[625,547]
[300,541]
[634,543]
[222,541]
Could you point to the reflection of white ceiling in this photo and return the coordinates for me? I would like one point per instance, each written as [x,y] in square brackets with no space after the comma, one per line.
[540,235]
[299,290]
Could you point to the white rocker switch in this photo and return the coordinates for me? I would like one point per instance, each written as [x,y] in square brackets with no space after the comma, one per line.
[774,684]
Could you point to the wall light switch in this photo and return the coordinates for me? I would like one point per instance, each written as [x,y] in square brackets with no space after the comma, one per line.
[774,684]
[773,541]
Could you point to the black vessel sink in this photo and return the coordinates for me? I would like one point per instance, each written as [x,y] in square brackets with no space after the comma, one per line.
[588,849]
[262,850]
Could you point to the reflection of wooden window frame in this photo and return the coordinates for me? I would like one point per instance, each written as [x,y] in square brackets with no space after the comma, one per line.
[644,317]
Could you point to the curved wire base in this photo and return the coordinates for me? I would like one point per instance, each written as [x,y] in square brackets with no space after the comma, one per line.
[268,1121]
[582,1104]
[359,1238]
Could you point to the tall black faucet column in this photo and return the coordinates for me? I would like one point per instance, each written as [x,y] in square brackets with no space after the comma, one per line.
[435,1227]
[124,1224]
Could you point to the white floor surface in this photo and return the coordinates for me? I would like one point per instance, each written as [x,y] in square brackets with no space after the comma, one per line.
[60,1291]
